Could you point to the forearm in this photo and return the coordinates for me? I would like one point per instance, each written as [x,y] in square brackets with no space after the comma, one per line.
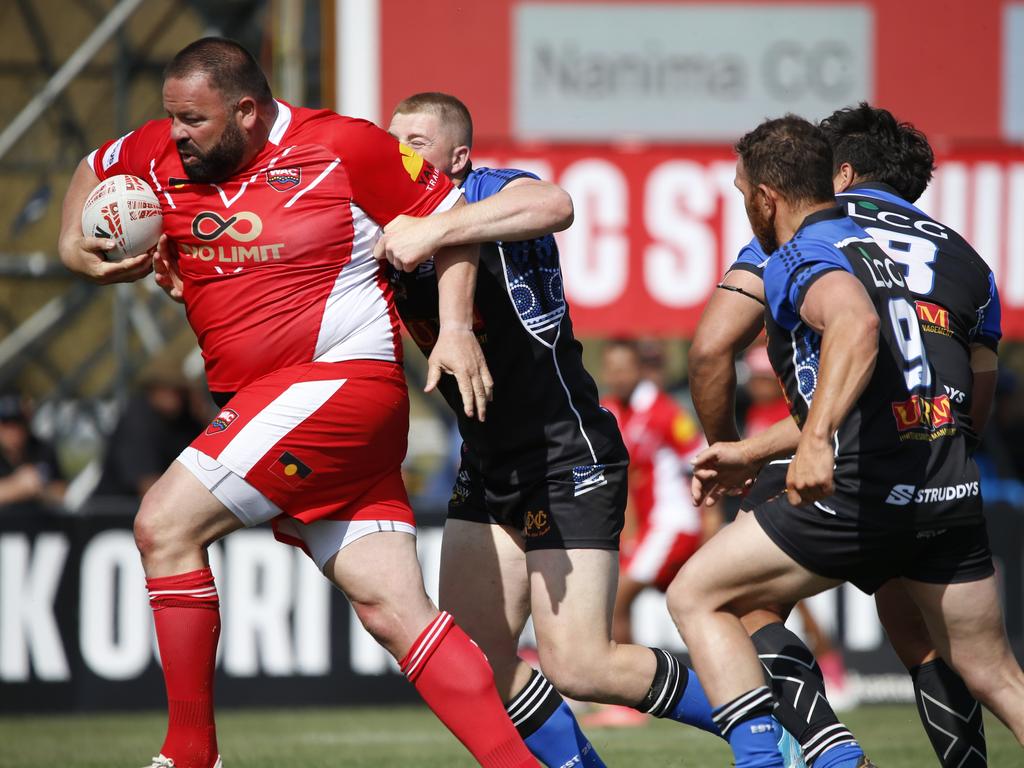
[779,440]
[456,269]
[849,347]
[713,389]
[518,212]
[13,490]
[82,183]
[985,373]
[728,324]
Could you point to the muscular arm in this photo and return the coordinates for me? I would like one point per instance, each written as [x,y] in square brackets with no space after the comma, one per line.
[837,307]
[85,255]
[729,323]
[985,369]
[523,209]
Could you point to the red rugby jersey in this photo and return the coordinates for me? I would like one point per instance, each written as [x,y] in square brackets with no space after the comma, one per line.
[660,437]
[277,261]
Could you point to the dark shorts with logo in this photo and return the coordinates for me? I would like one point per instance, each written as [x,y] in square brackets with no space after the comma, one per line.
[838,546]
[574,508]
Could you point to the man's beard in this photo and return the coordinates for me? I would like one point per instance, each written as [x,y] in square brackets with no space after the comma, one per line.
[219,162]
[764,230]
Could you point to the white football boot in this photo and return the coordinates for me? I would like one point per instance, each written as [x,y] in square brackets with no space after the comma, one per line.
[165,762]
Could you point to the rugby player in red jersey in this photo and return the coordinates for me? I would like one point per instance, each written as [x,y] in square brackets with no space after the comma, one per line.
[271,213]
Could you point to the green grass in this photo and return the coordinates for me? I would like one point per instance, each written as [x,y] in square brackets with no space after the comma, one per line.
[409,736]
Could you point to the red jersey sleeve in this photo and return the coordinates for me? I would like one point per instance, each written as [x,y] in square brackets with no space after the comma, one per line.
[387,178]
[132,152]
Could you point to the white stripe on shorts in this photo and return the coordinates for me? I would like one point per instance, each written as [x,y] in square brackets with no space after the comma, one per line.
[287,411]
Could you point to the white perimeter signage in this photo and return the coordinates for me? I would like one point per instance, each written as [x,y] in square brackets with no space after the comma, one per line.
[702,72]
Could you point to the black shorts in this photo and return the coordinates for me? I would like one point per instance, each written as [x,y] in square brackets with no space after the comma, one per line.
[841,547]
[770,482]
[574,508]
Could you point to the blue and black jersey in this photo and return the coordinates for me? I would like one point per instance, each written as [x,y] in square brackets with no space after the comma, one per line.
[954,290]
[546,414]
[900,460]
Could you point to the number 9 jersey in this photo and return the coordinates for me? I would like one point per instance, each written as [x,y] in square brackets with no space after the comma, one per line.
[900,459]
[954,290]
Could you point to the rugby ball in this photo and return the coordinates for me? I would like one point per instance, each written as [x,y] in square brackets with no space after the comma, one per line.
[126,210]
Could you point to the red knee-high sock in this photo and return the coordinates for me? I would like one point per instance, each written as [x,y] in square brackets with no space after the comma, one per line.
[452,675]
[187,616]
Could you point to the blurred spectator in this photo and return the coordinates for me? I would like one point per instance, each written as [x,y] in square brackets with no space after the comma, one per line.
[1000,452]
[767,402]
[29,473]
[157,424]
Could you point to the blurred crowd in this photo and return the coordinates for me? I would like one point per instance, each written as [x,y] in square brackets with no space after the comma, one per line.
[167,410]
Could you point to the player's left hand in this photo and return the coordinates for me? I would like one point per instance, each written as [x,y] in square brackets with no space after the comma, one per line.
[408,241]
[165,270]
[723,469]
[458,352]
[810,475]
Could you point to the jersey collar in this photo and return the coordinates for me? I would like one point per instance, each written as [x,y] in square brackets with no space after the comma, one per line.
[281,123]
[881,192]
[825,214]
[644,395]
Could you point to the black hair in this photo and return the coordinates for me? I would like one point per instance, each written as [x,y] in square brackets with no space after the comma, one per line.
[791,156]
[231,69]
[880,148]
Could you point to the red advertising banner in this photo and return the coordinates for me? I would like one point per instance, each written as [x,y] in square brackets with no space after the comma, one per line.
[656,227]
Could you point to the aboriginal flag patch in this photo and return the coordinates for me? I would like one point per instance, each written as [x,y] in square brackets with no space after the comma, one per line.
[289,466]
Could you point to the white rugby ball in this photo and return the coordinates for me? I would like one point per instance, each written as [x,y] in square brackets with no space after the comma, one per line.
[126,210]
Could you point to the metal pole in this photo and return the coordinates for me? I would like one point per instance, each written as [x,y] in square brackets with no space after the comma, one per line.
[63,76]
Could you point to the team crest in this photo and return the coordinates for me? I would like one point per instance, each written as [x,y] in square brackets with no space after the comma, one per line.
[222,421]
[283,179]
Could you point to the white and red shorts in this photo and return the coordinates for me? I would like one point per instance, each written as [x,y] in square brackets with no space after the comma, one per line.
[316,448]
[657,554]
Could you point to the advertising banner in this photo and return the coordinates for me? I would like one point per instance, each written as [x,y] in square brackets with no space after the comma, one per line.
[76,629]
[657,226]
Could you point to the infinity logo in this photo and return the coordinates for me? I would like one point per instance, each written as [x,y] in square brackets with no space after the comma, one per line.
[226,226]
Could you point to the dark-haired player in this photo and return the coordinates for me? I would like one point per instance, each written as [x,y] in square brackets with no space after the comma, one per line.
[534,520]
[881,166]
[270,215]
[844,338]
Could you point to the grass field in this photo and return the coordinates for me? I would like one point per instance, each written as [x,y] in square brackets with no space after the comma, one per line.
[409,736]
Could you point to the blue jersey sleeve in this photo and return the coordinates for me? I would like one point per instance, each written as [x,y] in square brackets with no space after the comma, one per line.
[792,270]
[989,329]
[484,182]
[751,258]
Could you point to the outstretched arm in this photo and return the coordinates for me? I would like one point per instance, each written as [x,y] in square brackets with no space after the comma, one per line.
[524,208]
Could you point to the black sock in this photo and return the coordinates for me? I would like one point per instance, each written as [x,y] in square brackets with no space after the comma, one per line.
[667,687]
[796,681]
[951,716]
[534,705]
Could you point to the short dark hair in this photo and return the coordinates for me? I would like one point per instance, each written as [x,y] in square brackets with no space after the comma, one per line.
[880,148]
[791,156]
[231,69]
[450,110]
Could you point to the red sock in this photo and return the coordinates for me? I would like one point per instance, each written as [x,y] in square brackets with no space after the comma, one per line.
[452,675]
[187,616]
